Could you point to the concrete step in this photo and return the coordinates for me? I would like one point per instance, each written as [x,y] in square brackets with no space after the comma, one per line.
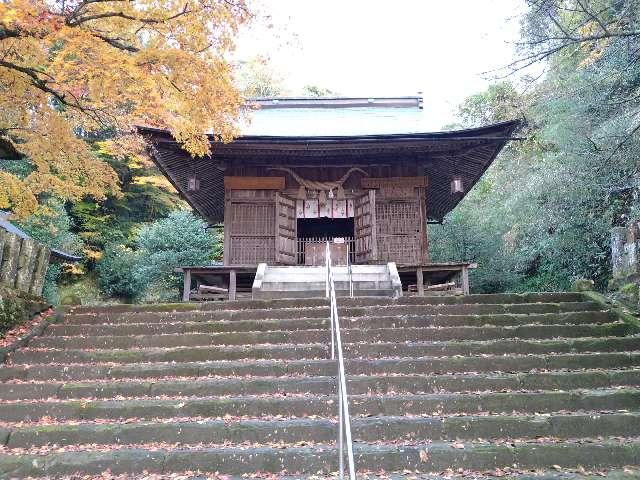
[317,311]
[315,350]
[324,430]
[342,291]
[296,281]
[337,277]
[304,405]
[407,366]
[373,335]
[383,384]
[322,458]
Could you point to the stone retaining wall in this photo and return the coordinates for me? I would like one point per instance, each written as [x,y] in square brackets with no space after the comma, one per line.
[23,263]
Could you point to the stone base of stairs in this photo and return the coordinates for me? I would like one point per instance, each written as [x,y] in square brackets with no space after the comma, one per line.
[273,282]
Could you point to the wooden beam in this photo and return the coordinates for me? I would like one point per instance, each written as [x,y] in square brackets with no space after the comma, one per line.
[420,282]
[232,285]
[254,183]
[368,182]
[186,286]
[464,276]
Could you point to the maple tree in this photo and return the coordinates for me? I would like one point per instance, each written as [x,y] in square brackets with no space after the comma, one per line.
[74,69]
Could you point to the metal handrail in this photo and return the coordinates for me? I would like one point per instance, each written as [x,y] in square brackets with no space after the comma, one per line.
[350,272]
[344,420]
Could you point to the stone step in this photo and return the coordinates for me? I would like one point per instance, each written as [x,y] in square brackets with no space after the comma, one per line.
[316,351]
[324,430]
[219,386]
[549,473]
[572,318]
[420,365]
[324,336]
[509,298]
[305,405]
[322,311]
[374,276]
[322,458]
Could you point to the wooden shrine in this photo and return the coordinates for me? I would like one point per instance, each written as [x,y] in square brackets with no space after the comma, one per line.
[280,198]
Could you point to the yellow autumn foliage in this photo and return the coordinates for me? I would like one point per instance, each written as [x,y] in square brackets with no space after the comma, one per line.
[75,67]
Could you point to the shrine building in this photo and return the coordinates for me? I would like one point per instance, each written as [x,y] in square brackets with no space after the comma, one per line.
[305,171]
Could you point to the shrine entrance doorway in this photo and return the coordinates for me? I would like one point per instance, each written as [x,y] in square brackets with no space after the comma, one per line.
[313,233]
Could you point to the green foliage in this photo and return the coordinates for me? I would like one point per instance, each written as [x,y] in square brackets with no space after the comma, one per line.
[541,216]
[178,240]
[116,272]
[317,91]
[256,79]
[86,289]
[146,196]
[147,273]
[52,225]
[50,289]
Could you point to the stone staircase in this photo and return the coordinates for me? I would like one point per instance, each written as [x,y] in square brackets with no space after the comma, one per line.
[470,386]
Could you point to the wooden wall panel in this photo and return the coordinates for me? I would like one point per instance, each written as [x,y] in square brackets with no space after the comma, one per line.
[399,231]
[249,227]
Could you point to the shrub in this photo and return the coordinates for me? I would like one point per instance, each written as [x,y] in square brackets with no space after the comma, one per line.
[116,272]
[178,240]
[148,273]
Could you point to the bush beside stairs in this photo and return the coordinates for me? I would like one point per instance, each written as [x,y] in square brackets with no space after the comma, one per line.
[475,385]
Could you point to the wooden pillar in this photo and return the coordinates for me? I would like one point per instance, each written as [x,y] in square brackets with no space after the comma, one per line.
[464,276]
[186,288]
[420,282]
[232,284]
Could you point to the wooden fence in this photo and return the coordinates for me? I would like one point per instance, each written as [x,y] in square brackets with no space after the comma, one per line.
[23,262]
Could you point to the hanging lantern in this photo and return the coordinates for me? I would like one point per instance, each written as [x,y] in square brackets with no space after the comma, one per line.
[322,197]
[193,184]
[331,194]
[457,185]
[302,193]
[340,193]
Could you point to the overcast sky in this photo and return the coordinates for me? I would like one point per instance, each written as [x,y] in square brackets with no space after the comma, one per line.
[372,47]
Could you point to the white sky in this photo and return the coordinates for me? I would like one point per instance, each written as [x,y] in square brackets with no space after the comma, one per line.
[377,48]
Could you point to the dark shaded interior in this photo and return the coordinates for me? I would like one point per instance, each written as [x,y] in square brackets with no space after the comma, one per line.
[325,227]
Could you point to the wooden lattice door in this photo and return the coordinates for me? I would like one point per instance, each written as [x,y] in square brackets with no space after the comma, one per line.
[285,230]
[249,222]
[364,220]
